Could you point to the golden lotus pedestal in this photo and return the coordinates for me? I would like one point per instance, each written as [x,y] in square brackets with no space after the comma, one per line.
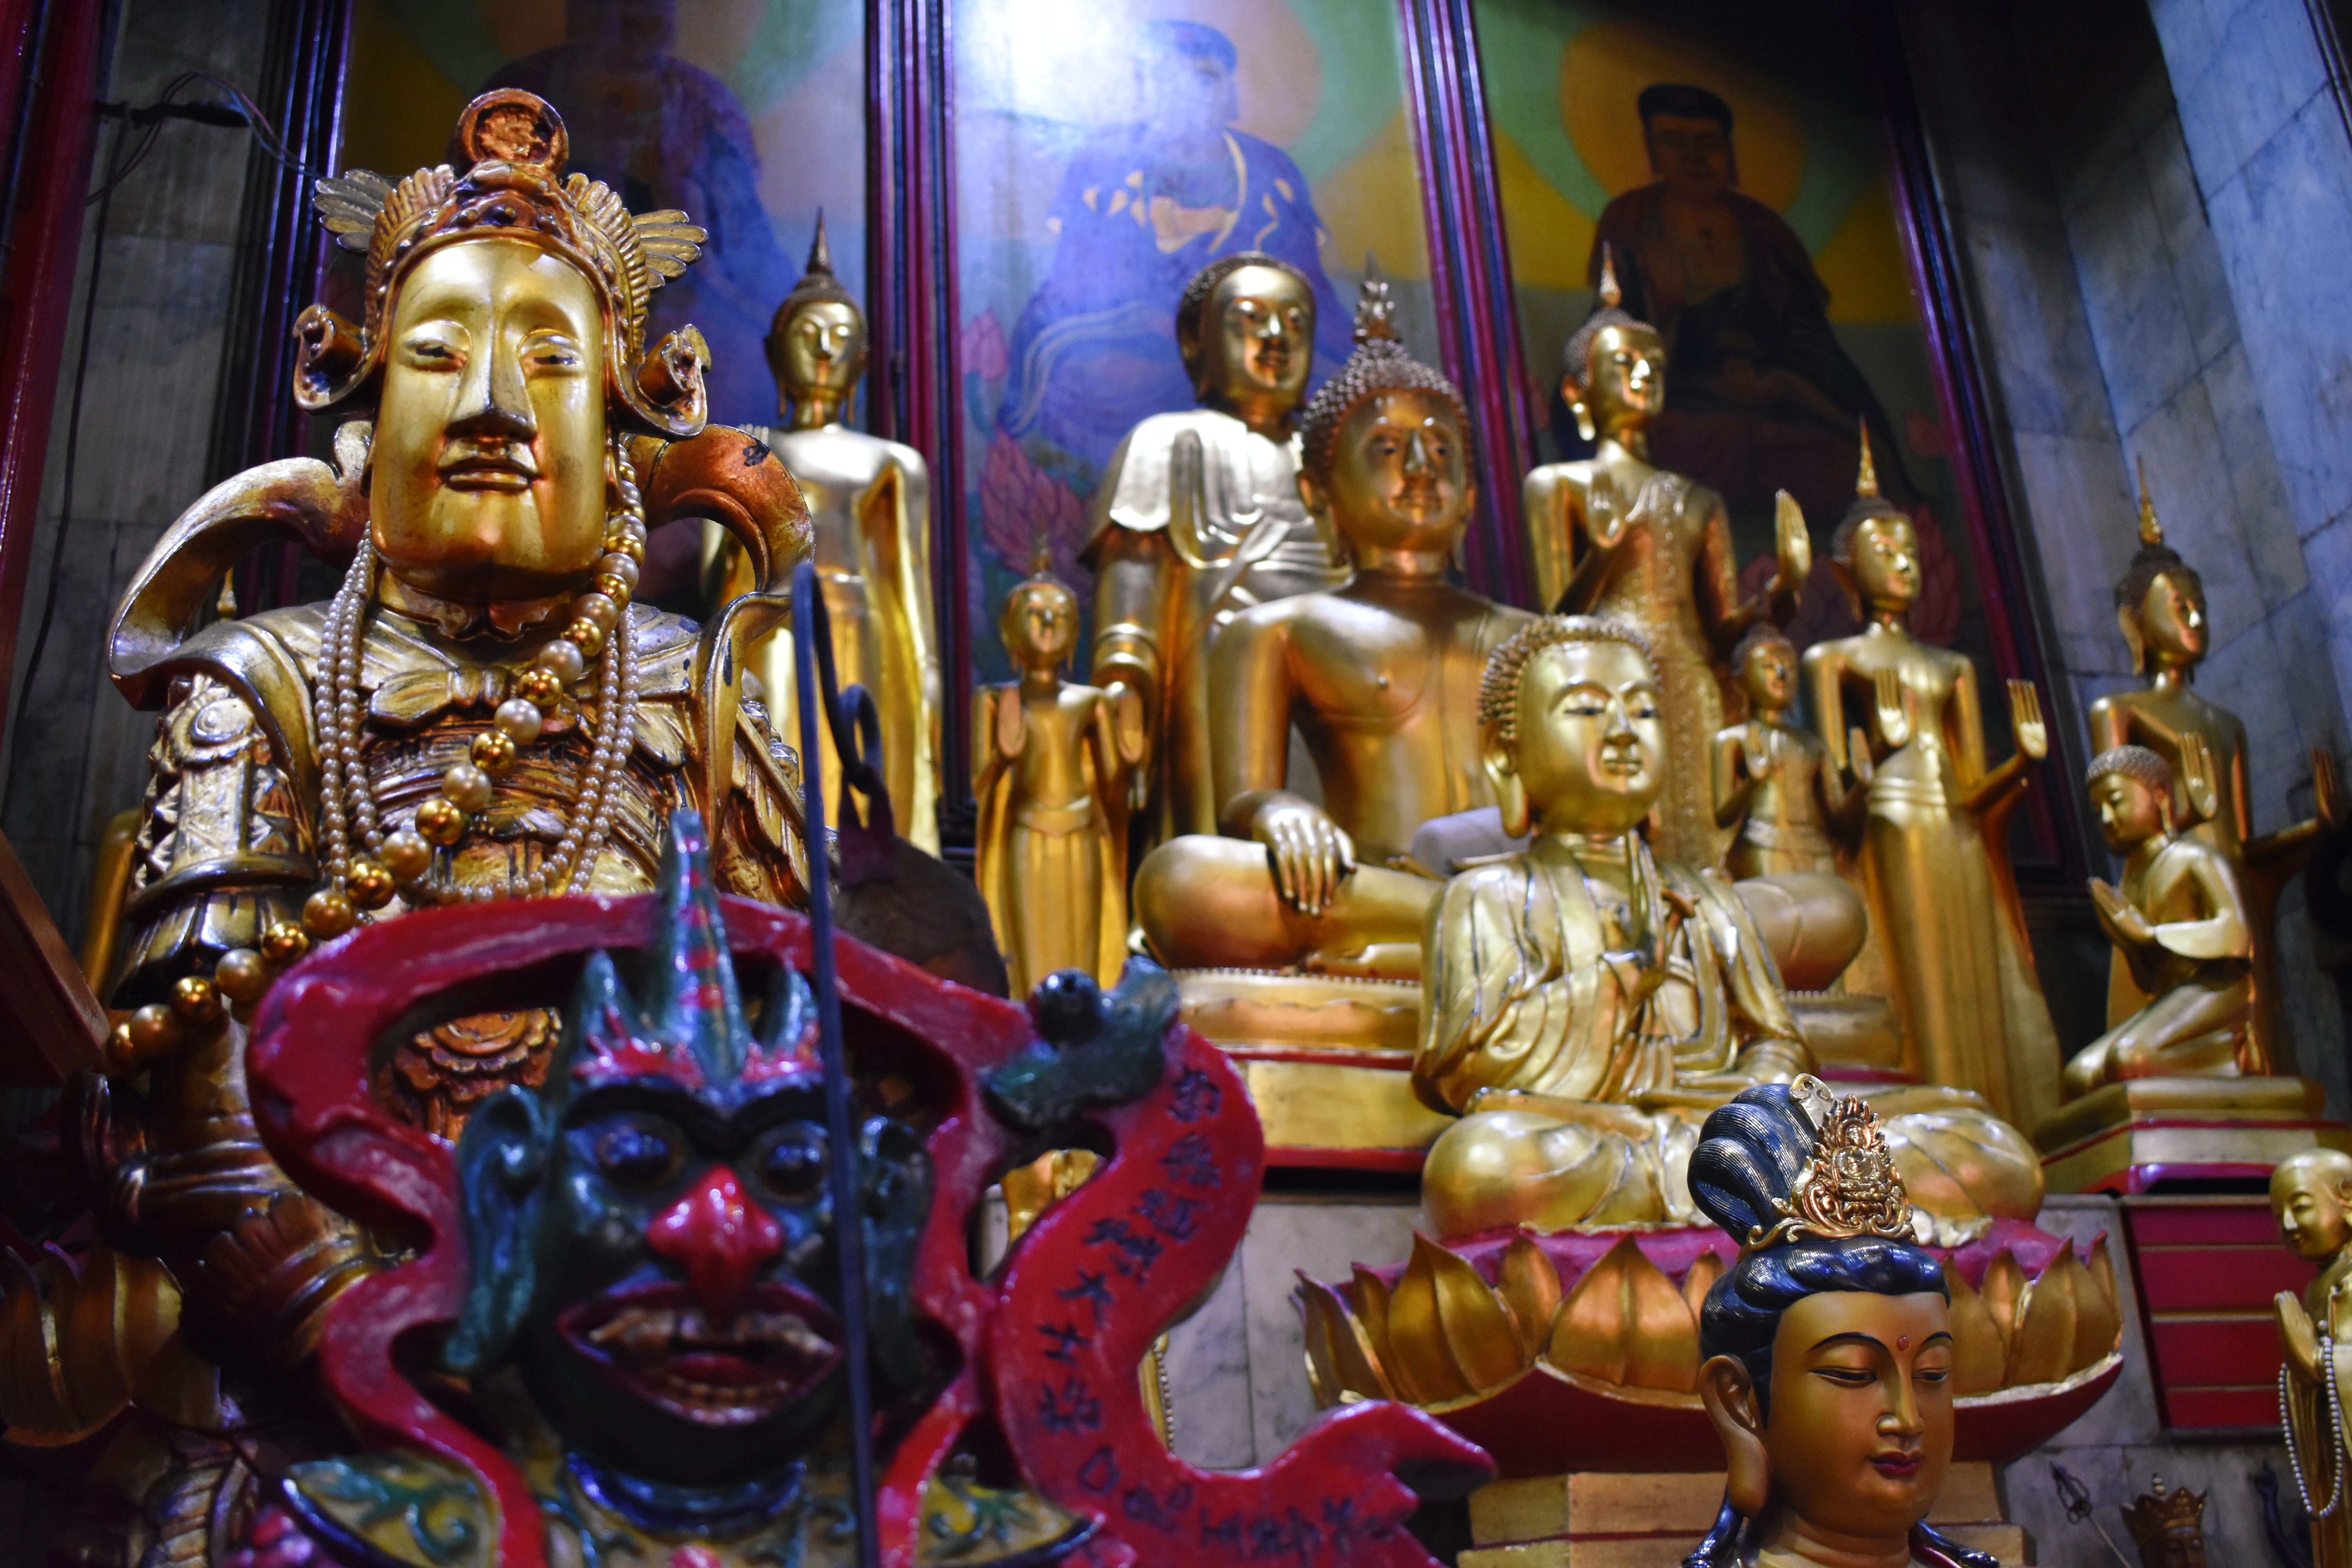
[1653,1521]
[2142,1133]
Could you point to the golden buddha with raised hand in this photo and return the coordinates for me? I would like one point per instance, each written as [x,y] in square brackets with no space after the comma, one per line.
[869,505]
[2178,921]
[1618,536]
[1380,678]
[2160,609]
[1199,517]
[1941,907]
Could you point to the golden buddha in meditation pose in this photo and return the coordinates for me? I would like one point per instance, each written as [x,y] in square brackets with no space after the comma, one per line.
[2178,922]
[1584,1004]
[2160,607]
[1617,536]
[1199,517]
[1380,678]
[1934,858]
[869,501]
[2311,1197]
[1054,763]
[479,713]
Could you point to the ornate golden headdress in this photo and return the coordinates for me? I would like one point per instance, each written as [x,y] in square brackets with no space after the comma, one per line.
[1850,1187]
[1380,364]
[513,187]
[2159,1513]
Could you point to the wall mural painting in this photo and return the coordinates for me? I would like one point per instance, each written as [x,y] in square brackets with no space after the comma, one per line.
[1741,185]
[1106,150]
[747,114]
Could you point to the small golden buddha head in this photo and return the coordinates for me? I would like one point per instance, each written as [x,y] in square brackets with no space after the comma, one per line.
[2311,1191]
[1387,443]
[2132,788]
[1245,327]
[1766,664]
[504,349]
[1040,622]
[1828,1346]
[1613,370]
[816,344]
[1874,555]
[1570,733]
[2159,599]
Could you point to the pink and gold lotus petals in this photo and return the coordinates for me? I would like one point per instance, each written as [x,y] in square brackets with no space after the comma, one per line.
[1580,1351]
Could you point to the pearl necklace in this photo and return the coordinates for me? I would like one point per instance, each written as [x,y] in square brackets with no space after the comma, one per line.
[2331,1406]
[404,858]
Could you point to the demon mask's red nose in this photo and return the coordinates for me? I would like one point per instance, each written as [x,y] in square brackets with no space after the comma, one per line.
[720,1237]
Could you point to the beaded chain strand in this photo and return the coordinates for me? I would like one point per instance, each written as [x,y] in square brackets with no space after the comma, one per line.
[403,860]
[2331,1405]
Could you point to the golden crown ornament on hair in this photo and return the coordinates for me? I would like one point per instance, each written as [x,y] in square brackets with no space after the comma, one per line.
[1850,1187]
[513,187]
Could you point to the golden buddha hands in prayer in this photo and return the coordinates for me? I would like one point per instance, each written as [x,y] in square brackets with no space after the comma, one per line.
[2178,921]
[1380,678]
[2311,1197]
[1828,1345]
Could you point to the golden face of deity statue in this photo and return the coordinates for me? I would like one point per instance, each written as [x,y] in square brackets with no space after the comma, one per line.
[1400,479]
[1885,572]
[1256,341]
[823,350]
[1626,380]
[2130,812]
[1040,625]
[491,437]
[2308,1193]
[1858,1432]
[1769,676]
[1589,743]
[2169,626]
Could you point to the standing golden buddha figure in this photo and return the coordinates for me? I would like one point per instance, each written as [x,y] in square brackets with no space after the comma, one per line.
[869,504]
[1380,675]
[1199,517]
[479,713]
[2160,607]
[1617,536]
[1935,860]
[1052,762]
[2311,1198]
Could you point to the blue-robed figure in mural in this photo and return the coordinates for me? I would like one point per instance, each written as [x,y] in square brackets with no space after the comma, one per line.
[1143,207]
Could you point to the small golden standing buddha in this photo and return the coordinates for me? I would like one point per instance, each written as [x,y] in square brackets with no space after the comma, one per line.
[2311,1197]
[1052,772]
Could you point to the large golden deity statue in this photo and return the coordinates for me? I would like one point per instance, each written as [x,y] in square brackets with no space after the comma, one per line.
[869,503]
[1586,1003]
[2160,607]
[1380,678]
[1200,517]
[1943,906]
[479,713]
[1619,537]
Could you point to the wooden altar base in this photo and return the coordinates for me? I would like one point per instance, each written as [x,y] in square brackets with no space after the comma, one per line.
[1653,1521]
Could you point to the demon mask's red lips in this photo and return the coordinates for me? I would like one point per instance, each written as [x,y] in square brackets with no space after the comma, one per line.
[658,1344]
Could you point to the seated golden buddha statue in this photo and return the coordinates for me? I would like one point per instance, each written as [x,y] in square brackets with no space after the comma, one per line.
[1200,516]
[1943,904]
[869,505]
[1584,1004]
[1619,537]
[1380,678]
[2160,607]
[479,713]
[2178,922]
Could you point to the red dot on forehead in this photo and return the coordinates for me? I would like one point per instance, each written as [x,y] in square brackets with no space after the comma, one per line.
[1903,1342]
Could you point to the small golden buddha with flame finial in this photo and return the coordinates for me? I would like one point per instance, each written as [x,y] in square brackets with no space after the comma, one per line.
[479,713]
[1943,907]
[1380,678]
[2160,607]
[869,504]
[1199,517]
[1585,1003]
[1618,537]
[1053,761]
[2311,1197]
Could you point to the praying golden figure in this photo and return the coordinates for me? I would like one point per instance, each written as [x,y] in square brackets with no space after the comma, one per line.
[1053,761]
[1618,537]
[2178,922]
[2311,1198]
[1585,1003]
[1380,677]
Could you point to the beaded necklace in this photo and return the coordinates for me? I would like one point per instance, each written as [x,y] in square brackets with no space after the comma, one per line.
[2330,1409]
